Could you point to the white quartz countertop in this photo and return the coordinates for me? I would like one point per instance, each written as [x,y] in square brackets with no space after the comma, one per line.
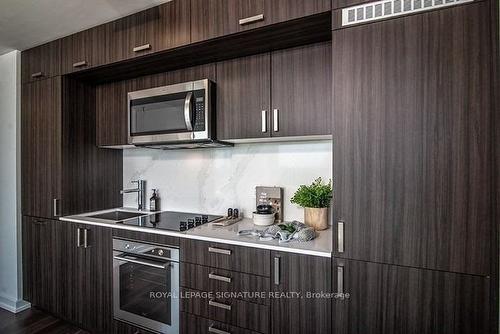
[320,246]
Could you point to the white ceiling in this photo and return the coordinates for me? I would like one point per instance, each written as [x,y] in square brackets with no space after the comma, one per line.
[27,23]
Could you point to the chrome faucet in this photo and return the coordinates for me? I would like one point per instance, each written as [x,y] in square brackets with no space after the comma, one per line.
[141,193]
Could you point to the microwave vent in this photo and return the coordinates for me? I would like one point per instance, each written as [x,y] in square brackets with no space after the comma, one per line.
[379,10]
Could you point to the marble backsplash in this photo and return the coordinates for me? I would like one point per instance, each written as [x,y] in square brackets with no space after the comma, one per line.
[211,180]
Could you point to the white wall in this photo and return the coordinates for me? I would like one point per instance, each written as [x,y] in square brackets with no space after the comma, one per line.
[211,180]
[10,236]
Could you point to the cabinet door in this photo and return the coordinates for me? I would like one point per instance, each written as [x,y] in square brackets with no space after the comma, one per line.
[308,312]
[215,18]
[394,299]
[41,62]
[152,30]
[301,91]
[284,10]
[41,147]
[43,273]
[243,98]
[412,140]
[77,52]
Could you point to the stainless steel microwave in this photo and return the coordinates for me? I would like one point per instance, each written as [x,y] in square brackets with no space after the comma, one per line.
[174,116]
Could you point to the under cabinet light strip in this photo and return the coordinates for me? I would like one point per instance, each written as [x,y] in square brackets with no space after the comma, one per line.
[379,10]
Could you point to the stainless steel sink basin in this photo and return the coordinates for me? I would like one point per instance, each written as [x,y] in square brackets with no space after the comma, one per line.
[117,215]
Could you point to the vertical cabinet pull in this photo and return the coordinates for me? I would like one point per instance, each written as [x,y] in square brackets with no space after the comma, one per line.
[276,270]
[85,238]
[219,305]
[212,329]
[264,121]
[56,207]
[219,251]
[340,279]
[340,236]
[142,47]
[251,19]
[78,238]
[276,120]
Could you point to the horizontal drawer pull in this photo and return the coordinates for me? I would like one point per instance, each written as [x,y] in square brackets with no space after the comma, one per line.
[37,75]
[219,305]
[212,329]
[251,19]
[219,250]
[80,64]
[142,47]
[219,278]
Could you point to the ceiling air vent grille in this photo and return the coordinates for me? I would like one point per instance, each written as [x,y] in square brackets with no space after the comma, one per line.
[383,9]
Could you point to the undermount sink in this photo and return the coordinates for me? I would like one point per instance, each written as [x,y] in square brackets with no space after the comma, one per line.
[117,215]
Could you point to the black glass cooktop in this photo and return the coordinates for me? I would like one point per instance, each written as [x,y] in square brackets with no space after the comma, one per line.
[171,220]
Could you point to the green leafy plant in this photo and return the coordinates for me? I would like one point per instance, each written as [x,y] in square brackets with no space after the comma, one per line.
[316,195]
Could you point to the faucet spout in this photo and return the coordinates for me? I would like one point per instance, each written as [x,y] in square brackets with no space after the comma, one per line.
[141,193]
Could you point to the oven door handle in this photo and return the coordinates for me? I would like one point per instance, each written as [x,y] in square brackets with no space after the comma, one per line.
[187,111]
[143,262]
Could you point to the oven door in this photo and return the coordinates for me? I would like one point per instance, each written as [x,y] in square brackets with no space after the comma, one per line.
[146,292]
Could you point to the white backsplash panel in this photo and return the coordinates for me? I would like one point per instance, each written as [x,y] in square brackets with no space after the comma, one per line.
[212,180]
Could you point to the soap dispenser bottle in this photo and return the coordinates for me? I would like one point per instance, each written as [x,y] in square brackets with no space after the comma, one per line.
[154,201]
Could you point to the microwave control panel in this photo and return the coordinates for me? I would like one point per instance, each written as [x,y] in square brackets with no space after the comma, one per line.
[199,110]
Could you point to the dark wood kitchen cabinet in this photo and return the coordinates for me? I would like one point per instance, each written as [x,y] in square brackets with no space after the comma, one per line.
[283,94]
[77,52]
[412,117]
[41,62]
[309,276]
[244,97]
[62,169]
[381,298]
[301,84]
[285,10]
[156,29]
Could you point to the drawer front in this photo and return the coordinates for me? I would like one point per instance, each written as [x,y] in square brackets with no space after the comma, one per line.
[223,256]
[229,283]
[191,324]
[148,237]
[229,311]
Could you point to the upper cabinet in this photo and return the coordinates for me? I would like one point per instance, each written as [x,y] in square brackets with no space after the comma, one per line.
[156,29]
[41,62]
[76,52]
[284,94]
[215,18]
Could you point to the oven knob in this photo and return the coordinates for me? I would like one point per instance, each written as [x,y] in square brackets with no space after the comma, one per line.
[160,252]
[127,246]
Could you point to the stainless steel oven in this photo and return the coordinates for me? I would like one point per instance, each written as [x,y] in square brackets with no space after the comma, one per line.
[180,114]
[146,285]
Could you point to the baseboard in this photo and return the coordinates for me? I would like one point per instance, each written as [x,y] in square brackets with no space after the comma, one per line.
[13,306]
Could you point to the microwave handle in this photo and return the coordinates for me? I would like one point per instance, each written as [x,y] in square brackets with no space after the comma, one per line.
[187,111]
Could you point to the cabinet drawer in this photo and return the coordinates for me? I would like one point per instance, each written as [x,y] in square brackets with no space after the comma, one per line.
[218,280]
[191,324]
[148,237]
[41,62]
[224,256]
[230,311]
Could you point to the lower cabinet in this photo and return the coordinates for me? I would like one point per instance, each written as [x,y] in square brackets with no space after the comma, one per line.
[68,271]
[388,299]
[300,286]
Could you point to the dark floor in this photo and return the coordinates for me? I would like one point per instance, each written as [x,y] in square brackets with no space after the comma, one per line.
[34,321]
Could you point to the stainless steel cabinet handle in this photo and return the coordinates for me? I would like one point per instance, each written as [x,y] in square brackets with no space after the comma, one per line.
[340,236]
[219,305]
[219,278]
[187,111]
[219,250]
[85,238]
[276,120]
[142,262]
[56,207]
[264,121]
[37,75]
[80,64]
[251,19]
[276,270]
[142,47]
[340,279]
[212,329]
[78,243]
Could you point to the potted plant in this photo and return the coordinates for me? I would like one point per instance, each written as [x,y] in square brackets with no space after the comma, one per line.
[315,199]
